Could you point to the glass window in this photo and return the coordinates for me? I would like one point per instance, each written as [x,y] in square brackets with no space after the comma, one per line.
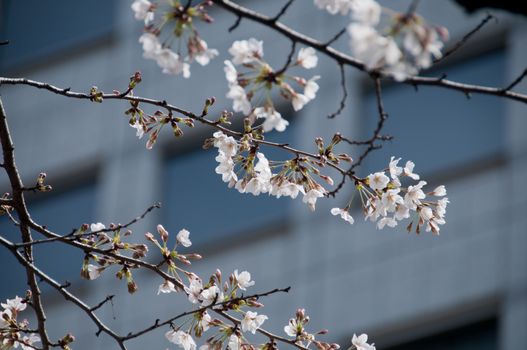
[481,336]
[197,199]
[61,213]
[36,28]
[441,129]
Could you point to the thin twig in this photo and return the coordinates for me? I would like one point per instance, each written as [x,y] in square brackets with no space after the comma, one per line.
[465,38]
[283,10]
[344,92]
[517,80]
[74,234]
[20,206]
[341,57]
[289,59]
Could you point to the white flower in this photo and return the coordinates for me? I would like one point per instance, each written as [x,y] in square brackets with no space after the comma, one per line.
[378,181]
[211,295]
[172,63]
[243,279]
[402,212]
[194,290]
[423,43]
[334,6]
[298,101]
[426,213]
[14,305]
[140,131]
[344,214]
[386,221]
[225,168]
[226,144]
[183,238]
[311,88]
[414,194]
[409,170]
[240,102]
[246,51]
[97,227]
[252,321]
[372,48]
[28,341]
[93,271]
[5,315]
[391,198]
[142,10]
[360,342]
[439,191]
[441,207]
[166,287]
[291,328]
[273,119]
[230,72]
[234,342]
[183,339]
[365,11]
[205,54]
[307,58]
[205,321]
[395,170]
[151,45]
[311,197]
[287,189]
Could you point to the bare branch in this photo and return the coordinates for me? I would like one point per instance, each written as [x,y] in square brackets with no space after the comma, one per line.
[20,206]
[289,59]
[341,57]
[344,92]
[465,38]
[283,10]
[517,80]
[62,290]
[74,234]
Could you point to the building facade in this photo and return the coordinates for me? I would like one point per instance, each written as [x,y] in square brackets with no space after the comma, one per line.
[466,288]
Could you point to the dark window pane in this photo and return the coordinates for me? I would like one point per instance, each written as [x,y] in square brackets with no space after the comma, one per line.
[60,213]
[37,28]
[441,129]
[197,199]
[481,336]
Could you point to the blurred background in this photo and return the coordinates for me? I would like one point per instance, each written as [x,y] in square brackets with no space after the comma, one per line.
[464,289]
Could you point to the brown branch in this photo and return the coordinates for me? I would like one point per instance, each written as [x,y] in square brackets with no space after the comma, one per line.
[343,58]
[283,10]
[269,335]
[517,80]
[20,206]
[158,323]
[344,93]
[74,234]
[165,105]
[465,38]
[62,290]
[289,59]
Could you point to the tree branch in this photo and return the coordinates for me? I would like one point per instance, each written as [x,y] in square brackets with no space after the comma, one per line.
[19,204]
[343,58]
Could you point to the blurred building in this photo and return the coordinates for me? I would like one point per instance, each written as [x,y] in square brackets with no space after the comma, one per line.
[464,289]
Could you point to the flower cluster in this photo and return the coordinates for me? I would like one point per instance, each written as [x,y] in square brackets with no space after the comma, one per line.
[211,296]
[405,46]
[296,328]
[181,19]
[242,173]
[259,81]
[12,332]
[386,202]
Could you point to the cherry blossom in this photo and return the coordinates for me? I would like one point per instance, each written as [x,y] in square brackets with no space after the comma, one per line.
[166,287]
[252,321]
[14,305]
[183,339]
[243,279]
[344,214]
[307,58]
[183,238]
[361,342]
[246,51]
[143,10]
